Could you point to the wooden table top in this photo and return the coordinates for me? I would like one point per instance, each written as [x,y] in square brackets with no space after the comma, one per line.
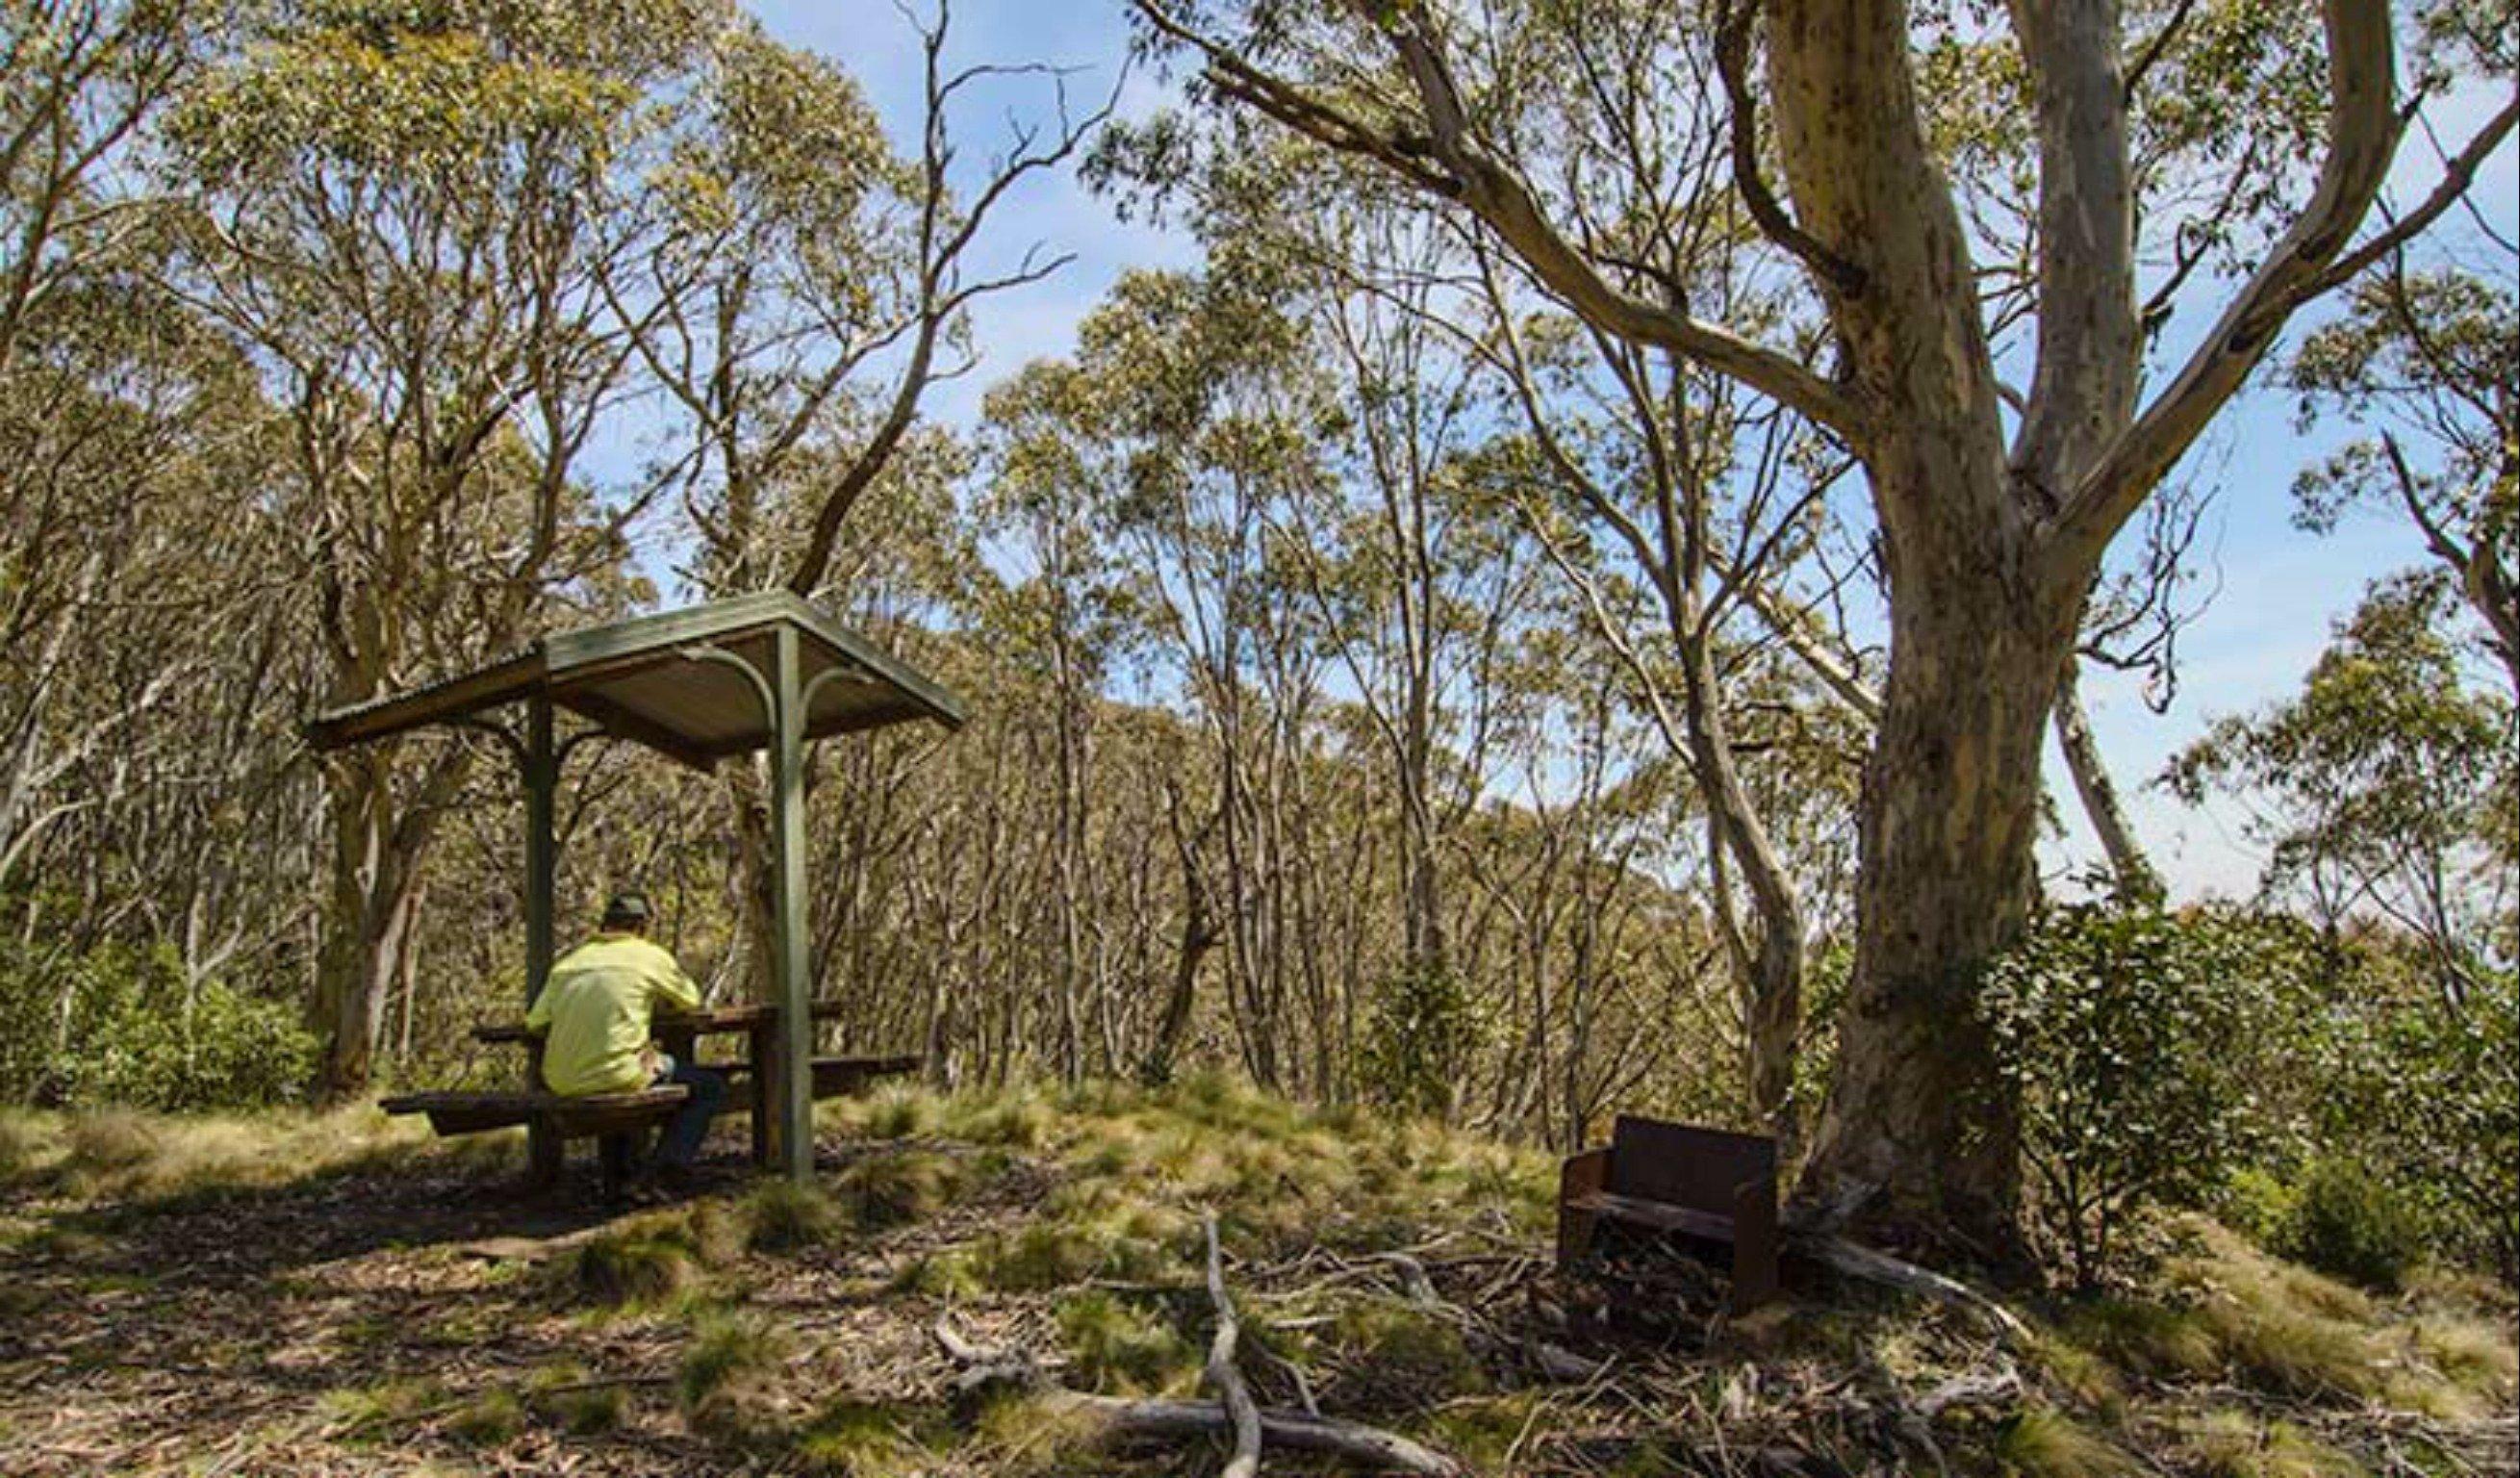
[706,1021]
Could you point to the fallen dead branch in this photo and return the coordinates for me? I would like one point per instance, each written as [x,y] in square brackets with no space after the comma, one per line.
[1367,1447]
[532,1249]
[1223,1374]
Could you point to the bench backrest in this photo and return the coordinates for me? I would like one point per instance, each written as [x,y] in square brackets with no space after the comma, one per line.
[1682,1165]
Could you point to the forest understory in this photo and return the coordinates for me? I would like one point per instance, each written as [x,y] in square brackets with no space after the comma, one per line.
[334,1294]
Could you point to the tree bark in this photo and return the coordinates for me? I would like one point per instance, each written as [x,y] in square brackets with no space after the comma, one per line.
[1917,1117]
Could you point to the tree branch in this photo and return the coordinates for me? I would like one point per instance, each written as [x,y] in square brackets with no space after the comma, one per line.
[2457,176]
[1733,64]
[2362,132]
[1223,1374]
[1451,164]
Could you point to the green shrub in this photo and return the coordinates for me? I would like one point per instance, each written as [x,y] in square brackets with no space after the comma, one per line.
[2259,1203]
[119,1026]
[1420,1040]
[2131,1035]
[2347,1221]
[2425,1093]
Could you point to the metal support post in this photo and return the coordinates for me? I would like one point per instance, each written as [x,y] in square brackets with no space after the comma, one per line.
[542,867]
[787,831]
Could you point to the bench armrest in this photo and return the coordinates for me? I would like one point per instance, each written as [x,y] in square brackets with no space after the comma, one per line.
[1583,1175]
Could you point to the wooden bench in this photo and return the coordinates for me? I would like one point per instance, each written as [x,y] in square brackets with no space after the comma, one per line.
[611,1119]
[552,1120]
[1704,1187]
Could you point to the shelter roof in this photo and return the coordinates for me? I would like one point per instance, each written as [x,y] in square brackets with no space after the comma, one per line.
[664,680]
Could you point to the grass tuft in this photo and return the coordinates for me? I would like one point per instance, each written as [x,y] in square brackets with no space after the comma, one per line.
[650,1259]
[893,1188]
[129,1155]
[360,1410]
[2043,1443]
[1019,1121]
[896,1112]
[848,1438]
[1121,1239]
[1120,1349]
[1482,1431]
[950,1274]
[1386,1355]
[561,1395]
[490,1419]
[2234,1445]
[781,1216]
[725,1376]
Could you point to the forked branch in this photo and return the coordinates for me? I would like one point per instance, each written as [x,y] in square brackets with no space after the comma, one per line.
[2363,131]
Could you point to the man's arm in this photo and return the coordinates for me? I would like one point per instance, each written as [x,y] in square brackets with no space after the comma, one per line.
[675,990]
[538,1014]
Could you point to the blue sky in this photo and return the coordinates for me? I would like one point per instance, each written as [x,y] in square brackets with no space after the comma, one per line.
[2280,589]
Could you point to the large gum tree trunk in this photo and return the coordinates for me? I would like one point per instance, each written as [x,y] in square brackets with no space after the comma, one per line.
[1918,1128]
[1919,1133]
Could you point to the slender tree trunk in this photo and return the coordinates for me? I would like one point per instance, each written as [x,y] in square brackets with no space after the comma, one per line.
[748,791]
[374,904]
[1199,936]
[1773,970]
[2128,862]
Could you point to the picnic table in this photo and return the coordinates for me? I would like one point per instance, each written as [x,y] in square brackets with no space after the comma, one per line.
[551,1119]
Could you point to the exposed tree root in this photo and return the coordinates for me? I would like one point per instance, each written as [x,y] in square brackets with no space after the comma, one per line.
[1854,1261]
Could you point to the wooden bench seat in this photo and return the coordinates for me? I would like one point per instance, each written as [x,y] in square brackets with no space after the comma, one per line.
[613,1117]
[1701,1185]
[460,1113]
[553,1119]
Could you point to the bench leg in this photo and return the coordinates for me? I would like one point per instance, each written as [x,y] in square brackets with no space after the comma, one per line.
[619,1154]
[544,1154]
[1582,1175]
[1758,1247]
[760,1046]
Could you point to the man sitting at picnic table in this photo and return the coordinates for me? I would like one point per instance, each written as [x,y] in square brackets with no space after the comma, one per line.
[596,1011]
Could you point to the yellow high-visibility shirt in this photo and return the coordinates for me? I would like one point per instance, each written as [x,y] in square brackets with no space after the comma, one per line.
[597,1006]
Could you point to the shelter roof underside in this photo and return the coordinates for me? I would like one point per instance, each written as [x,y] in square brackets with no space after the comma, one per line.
[665,681]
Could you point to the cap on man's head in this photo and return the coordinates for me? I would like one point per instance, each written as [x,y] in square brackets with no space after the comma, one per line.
[628,911]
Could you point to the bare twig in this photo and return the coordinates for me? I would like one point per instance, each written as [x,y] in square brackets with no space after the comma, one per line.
[1366,1447]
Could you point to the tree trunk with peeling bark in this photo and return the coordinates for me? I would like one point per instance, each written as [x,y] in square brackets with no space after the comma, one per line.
[373,908]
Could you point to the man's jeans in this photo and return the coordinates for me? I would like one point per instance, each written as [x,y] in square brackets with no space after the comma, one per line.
[689,1126]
